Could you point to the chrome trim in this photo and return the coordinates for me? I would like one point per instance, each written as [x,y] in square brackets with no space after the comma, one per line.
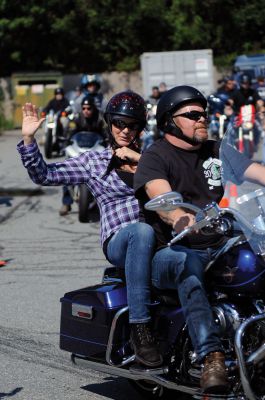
[258,355]
[110,340]
[130,374]
[241,362]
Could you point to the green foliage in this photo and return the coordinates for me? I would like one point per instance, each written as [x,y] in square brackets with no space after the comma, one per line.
[87,36]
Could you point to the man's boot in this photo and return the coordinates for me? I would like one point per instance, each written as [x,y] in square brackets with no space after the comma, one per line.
[214,377]
[144,345]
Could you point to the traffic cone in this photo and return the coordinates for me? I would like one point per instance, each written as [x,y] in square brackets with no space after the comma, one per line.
[2,263]
[233,196]
[225,199]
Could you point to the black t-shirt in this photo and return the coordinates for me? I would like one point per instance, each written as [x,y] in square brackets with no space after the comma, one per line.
[195,174]
[243,97]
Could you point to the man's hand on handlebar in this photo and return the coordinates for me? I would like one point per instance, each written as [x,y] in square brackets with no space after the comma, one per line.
[184,221]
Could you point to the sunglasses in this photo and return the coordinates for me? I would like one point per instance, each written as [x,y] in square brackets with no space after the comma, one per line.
[120,124]
[193,115]
[86,108]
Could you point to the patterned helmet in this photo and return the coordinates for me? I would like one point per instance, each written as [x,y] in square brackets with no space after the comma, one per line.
[128,104]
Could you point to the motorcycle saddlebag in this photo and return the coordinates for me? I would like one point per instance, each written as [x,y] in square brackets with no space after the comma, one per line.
[86,317]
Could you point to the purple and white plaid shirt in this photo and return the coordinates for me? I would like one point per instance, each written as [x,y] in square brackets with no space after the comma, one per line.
[116,201]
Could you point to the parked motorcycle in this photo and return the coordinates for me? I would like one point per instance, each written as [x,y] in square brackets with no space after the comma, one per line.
[57,129]
[79,143]
[94,320]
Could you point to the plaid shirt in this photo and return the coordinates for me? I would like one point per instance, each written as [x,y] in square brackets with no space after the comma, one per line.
[116,201]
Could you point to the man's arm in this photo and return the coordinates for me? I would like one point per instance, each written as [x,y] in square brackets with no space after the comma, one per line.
[178,219]
[255,173]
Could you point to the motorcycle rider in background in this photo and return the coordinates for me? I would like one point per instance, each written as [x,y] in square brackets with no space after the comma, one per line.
[227,88]
[220,111]
[154,96]
[246,95]
[58,103]
[87,120]
[126,242]
[91,85]
[187,162]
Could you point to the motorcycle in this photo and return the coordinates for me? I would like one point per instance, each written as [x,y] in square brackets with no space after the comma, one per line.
[151,132]
[79,143]
[245,130]
[94,320]
[57,128]
[219,115]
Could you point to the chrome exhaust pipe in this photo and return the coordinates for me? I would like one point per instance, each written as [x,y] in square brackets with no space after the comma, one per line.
[136,374]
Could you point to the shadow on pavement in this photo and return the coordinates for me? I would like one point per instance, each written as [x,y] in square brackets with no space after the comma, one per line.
[10,394]
[114,388]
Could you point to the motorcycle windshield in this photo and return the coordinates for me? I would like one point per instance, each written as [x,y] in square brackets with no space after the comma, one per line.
[240,148]
[87,139]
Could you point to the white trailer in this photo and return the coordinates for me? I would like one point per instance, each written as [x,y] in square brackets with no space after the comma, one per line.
[188,67]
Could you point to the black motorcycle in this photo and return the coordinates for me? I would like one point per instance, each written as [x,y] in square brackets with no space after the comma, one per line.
[57,128]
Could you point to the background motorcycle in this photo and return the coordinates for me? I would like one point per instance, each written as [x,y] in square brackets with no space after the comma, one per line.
[219,115]
[57,129]
[94,320]
[79,143]
[245,130]
[150,133]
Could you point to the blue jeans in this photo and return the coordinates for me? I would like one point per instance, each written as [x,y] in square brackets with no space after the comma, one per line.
[178,267]
[67,198]
[133,247]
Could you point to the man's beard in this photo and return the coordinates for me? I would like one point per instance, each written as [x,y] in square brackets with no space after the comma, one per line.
[198,138]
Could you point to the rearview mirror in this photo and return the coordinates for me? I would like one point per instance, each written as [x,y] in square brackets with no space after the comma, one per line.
[164,202]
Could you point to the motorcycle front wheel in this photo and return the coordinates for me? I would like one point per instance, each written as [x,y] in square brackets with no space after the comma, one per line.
[84,201]
[48,144]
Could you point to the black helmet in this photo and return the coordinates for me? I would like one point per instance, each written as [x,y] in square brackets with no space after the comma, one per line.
[128,104]
[245,78]
[59,90]
[88,101]
[174,99]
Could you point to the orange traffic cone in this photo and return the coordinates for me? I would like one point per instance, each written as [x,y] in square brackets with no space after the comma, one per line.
[233,196]
[2,263]
[225,199]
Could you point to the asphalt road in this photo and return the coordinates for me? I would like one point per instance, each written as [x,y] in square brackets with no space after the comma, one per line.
[46,255]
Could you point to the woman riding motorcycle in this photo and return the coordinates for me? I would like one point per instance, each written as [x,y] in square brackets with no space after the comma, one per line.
[126,242]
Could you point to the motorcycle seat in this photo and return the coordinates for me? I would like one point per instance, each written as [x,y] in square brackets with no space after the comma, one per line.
[166,296]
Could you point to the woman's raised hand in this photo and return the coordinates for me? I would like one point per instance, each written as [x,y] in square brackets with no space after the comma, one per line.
[30,123]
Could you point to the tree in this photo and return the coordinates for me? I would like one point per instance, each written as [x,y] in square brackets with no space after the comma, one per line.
[87,36]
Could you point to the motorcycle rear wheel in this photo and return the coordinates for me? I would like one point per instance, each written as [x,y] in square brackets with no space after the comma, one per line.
[48,144]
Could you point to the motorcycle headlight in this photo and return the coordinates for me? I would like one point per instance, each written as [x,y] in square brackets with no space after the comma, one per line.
[247,125]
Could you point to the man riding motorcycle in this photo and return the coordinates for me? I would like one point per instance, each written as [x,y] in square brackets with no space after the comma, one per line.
[91,85]
[187,162]
[58,103]
[245,95]
[87,120]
